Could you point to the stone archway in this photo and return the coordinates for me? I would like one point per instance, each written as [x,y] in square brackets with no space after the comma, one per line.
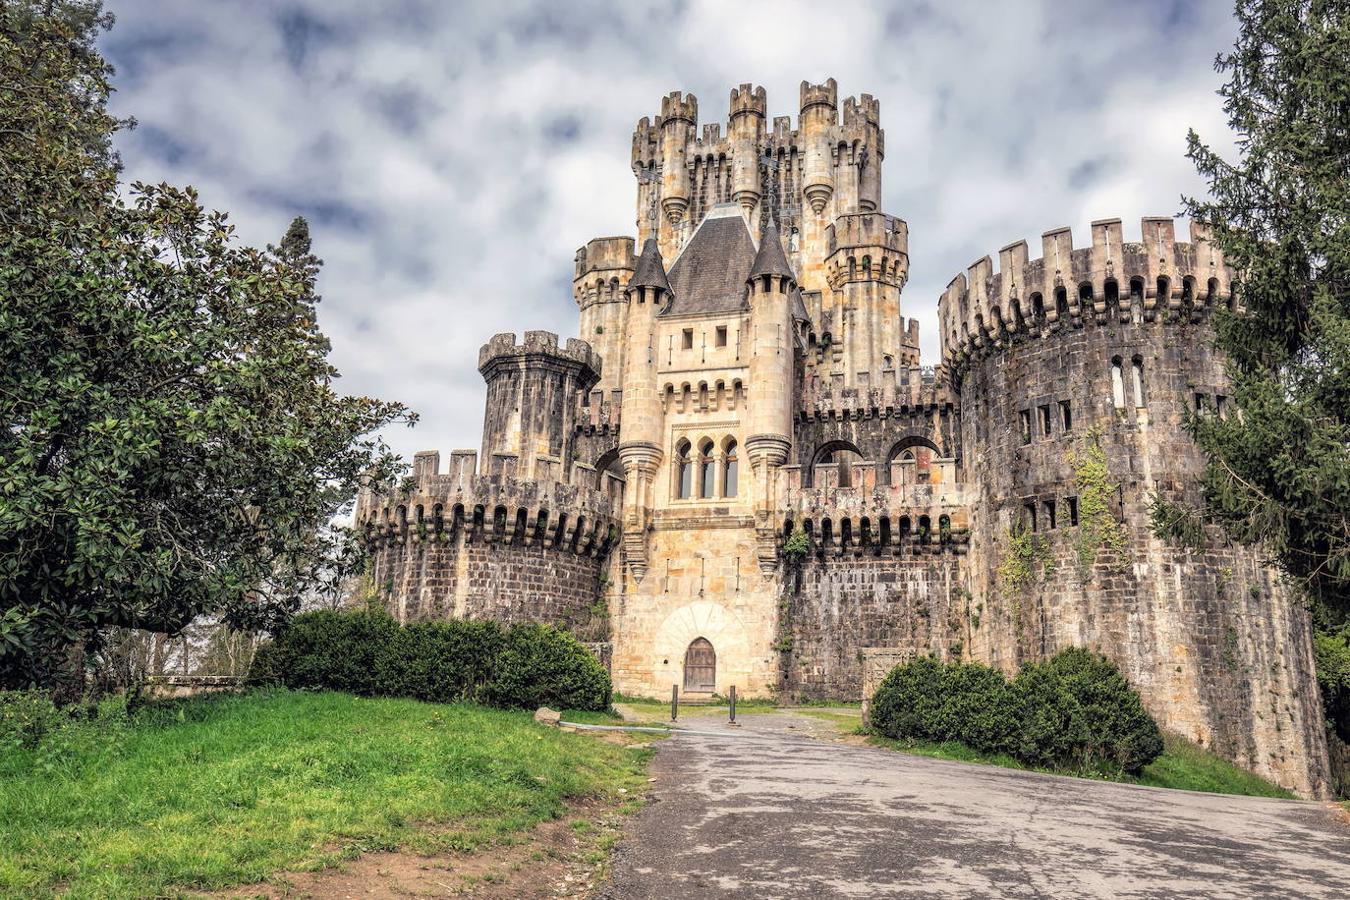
[700,667]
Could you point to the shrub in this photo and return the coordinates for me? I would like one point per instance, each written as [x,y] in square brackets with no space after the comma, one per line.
[908,702]
[26,717]
[1073,711]
[1115,728]
[523,666]
[541,666]
[441,662]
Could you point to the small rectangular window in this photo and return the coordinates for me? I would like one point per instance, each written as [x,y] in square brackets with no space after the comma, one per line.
[1065,415]
[1201,403]
[688,342]
[1219,405]
[1031,515]
[1045,419]
[1073,509]
[1048,507]
[721,335]
[1026,425]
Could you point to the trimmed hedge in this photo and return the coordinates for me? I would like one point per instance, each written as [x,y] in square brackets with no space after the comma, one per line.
[369,653]
[1073,711]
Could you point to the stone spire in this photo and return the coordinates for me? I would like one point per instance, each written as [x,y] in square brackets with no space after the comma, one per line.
[651,269]
[770,260]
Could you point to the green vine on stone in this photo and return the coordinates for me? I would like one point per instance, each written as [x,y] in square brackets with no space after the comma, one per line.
[1097,525]
[797,545]
[1027,559]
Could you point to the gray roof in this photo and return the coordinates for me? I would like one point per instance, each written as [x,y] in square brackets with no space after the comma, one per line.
[651,269]
[770,260]
[799,306]
[710,273]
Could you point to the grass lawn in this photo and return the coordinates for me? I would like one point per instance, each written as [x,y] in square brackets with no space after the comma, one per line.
[225,790]
[1182,766]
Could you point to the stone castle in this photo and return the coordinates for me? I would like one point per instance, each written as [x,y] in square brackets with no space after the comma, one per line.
[742,474]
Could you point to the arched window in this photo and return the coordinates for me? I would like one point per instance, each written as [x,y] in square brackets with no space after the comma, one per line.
[684,472]
[707,470]
[1117,383]
[731,474]
[1137,370]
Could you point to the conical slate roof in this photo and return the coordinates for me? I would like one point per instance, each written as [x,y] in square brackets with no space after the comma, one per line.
[651,269]
[770,260]
[799,306]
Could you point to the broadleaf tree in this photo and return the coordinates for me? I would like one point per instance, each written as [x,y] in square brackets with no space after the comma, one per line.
[174,444]
[1278,472]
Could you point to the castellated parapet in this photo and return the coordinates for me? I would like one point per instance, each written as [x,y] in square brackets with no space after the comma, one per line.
[749,379]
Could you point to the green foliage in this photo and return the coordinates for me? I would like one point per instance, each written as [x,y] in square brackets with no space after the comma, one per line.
[26,718]
[1026,560]
[1097,526]
[1075,711]
[369,653]
[797,545]
[173,444]
[1332,653]
[194,796]
[1279,473]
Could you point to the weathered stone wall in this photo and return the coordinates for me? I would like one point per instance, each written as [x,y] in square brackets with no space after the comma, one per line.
[1219,650]
[834,606]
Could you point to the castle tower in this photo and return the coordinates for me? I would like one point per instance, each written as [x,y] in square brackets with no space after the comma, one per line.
[679,118]
[867,266]
[862,131]
[818,118]
[640,452]
[600,287]
[769,426]
[530,420]
[746,131]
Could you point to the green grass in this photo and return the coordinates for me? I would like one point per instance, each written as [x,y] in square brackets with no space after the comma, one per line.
[1182,766]
[218,791]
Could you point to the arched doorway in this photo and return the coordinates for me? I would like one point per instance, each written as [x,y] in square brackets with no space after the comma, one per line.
[700,667]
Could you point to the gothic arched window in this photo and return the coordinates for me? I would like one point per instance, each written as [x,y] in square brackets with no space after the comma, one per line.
[684,472]
[707,470]
[731,465]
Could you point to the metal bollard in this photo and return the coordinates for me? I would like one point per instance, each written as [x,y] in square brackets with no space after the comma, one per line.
[732,704]
[674,702]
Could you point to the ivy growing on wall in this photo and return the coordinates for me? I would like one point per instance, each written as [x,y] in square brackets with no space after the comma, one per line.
[1026,560]
[1097,525]
[797,545]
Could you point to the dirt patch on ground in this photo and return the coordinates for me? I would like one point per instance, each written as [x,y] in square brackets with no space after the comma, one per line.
[565,857]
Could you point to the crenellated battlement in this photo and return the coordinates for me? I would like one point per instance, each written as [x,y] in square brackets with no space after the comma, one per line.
[862,111]
[899,520]
[745,101]
[678,106]
[900,391]
[867,247]
[489,509]
[502,348]
[647,143]
[826,95]
[1069,286]
[602,270]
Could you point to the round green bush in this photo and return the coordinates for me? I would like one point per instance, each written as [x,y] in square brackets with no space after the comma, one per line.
[339,651]
[441,662]
[1114,728]
[977,708]
[1050,722]
[908,702]
[542,666]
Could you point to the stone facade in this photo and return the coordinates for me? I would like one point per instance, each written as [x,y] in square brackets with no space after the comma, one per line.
[746,383]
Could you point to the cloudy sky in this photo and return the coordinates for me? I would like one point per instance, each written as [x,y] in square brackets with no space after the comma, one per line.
[451,156]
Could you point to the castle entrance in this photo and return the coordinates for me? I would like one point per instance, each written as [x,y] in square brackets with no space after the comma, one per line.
[700,667]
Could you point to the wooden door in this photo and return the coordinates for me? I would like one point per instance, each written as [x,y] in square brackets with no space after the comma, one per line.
[700,667]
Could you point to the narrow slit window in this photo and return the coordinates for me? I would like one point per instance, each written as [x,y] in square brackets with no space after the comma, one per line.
[1117,383]
[721,339]
[1220,406]
[1045,419]
[1026,426]
[1200,403]
[1137,370]
[688,340]
[1065,415]
[1048,508]
[1031,516]
[1073,509]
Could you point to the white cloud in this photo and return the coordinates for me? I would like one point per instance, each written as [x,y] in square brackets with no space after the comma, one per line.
[452,157]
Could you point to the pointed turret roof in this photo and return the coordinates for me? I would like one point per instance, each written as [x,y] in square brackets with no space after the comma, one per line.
[799,306]
[651,269]
[771,260]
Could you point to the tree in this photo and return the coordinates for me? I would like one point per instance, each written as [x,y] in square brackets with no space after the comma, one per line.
[1278,474]
[173,442]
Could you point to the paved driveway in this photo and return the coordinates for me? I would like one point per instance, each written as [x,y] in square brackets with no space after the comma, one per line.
[767,811]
